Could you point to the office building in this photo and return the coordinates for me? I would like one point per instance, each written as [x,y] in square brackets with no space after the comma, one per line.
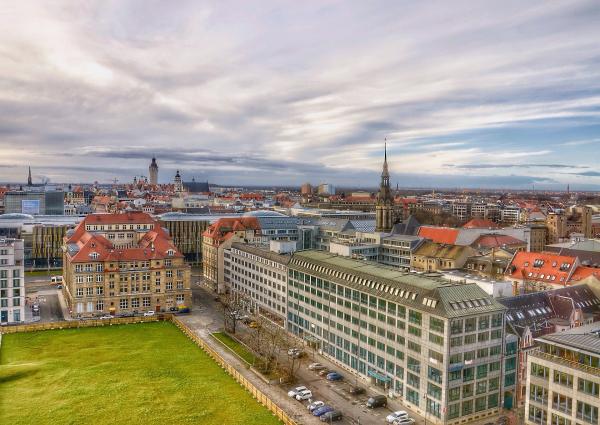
[123,263]
[563,378]
[435,345]
[35,202]
[12,281]
[260,275]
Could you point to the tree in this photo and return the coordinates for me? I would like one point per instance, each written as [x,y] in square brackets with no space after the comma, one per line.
[232,305]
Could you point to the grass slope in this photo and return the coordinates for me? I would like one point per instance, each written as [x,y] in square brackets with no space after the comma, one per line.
[235,346]
[136,374]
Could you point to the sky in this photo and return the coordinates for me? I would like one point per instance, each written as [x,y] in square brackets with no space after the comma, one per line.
[468,94]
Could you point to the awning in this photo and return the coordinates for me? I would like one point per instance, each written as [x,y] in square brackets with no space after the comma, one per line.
[379,376]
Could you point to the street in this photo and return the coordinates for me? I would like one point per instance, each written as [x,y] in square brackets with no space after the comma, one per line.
[38,289]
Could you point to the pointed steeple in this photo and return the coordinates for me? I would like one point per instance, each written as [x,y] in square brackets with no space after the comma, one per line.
[385,200]
[385,171]
[29,181]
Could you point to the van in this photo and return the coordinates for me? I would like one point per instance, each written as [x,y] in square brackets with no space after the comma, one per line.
[56,279]
[377,401]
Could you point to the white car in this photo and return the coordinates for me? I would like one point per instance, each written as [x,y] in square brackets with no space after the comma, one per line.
[304,395]
[404,421]
[107,316]
[400,414]
[315,405]
[294,391]
[316,366]
[149,313]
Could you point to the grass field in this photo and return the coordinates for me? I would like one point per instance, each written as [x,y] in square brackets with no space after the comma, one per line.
[235,346]
[136,374]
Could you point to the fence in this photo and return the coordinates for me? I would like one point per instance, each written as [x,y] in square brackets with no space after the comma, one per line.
[70,324]
[261,397]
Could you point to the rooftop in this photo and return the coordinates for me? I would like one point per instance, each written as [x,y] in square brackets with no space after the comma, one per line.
[584,338]
[423,291]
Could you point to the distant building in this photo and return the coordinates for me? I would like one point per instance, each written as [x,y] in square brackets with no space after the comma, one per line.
[153,172]
[431,257]
[384,218]
[35,202]
[557,227]
[326,189]
[12,281]
[178,183]
[306,189]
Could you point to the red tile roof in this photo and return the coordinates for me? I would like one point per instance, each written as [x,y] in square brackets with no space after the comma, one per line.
[583,272]
[153,245]
[496,241]
[542,267]
[223,226]
[446,235]
[480,223]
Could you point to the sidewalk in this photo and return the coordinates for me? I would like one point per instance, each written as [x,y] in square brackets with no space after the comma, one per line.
[294,408]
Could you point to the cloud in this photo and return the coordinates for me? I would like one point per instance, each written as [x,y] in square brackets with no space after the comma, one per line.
[501,165]
[302,91]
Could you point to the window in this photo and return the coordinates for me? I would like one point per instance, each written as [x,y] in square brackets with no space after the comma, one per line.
[538,393]
[493,384]
[467,407]
[481,371]
[414,331]
[540,371]
[537,415]
[99,305]
[453,411]
[135,302]
[563,378]
[559,420]
[436,325]
[434,374]
[434,391]
[480,404]
[470,339]
[413,346]
[468,374]
[414,317]
[413,381]
[481,387]
[587,412]
[123,303]
[470,324]
[562,403]
[588,387]
[436,339]
[454,394]
[456,327]
[146,302]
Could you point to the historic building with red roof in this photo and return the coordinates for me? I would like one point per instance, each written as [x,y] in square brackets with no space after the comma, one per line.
[123,263]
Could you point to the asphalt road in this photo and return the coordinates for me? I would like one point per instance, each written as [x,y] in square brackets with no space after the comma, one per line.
[40,290]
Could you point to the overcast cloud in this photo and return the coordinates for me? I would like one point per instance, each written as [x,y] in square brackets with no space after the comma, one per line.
[473,93]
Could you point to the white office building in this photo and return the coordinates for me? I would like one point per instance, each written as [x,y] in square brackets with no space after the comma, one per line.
[12,285]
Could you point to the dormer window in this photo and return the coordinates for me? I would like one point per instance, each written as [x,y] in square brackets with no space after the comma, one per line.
[170,252]
[94,255]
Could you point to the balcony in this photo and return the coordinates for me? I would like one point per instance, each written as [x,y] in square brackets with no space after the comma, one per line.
[562,361]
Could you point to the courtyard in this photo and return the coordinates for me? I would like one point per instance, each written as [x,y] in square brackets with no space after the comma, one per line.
[140,374]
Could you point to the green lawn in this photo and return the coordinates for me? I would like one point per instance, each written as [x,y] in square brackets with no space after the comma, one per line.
[135,374]
[235,346]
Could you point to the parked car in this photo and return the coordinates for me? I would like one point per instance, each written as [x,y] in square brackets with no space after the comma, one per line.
[334,376]
[404,421]
[322,410]
[356,390]
[304,395]
[149,313]
[315,405]
[316,366]
[59,286]
[295,353]
[377,401]
[56,279]
[106,317]
[253,325]
[334,415]
[125,314]
[400,414]
[325,372]
[294,391]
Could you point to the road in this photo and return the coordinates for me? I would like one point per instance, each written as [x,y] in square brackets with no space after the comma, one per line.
[207,315]
[39,289]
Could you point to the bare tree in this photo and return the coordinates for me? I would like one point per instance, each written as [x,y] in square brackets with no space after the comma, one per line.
[232,306]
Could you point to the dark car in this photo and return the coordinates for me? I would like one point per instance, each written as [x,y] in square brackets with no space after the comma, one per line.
[334,415]
[334,376]
[377,401]
[322,410]
[356,390]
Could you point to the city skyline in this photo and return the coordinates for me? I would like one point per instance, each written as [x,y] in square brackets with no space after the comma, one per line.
[486,95]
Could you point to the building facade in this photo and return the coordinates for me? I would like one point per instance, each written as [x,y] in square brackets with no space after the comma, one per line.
[563,379]
[153,172]
[35,202]
[436,346]
[123,263]
[12,281]
[261,277]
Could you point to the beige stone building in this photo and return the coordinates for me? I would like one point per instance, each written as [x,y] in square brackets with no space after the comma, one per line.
[123,263]
[432,256]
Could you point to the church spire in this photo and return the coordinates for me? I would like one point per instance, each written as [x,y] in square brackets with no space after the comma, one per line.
[385,200]
[29,181]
